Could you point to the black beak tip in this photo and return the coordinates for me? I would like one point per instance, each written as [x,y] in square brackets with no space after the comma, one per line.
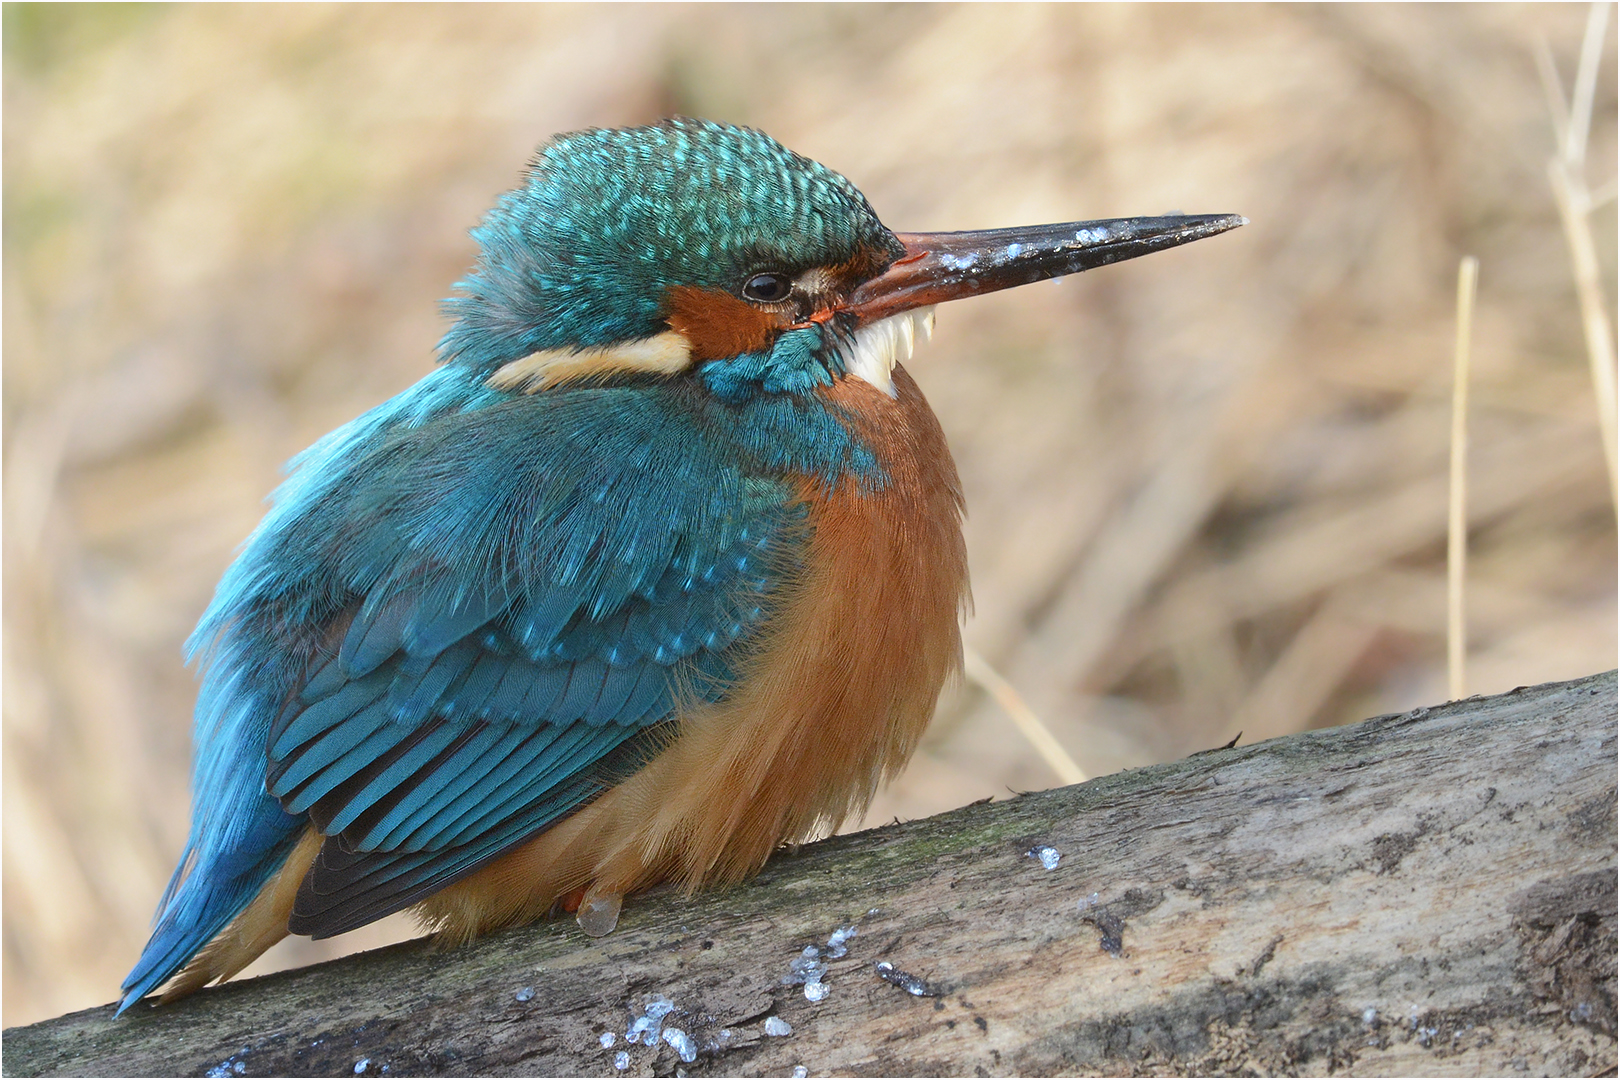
[1102,242]
[1196,226]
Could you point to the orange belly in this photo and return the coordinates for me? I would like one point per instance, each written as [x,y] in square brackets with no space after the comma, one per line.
[832,702]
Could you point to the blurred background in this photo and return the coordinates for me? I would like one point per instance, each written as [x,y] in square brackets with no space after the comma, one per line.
[1207,489]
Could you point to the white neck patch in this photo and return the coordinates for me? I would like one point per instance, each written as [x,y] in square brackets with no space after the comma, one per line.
[662,354]
[881,345]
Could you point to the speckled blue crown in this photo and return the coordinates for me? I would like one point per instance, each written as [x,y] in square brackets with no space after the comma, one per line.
[607,220]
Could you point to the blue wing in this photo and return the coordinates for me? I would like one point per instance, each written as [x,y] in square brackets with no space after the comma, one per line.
[466,614]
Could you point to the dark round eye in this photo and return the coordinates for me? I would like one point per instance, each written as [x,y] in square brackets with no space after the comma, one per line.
[767,288]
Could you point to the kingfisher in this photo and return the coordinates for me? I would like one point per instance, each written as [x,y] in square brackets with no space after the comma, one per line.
[661,567]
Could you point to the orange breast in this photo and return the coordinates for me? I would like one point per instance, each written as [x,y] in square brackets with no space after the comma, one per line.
[833,701]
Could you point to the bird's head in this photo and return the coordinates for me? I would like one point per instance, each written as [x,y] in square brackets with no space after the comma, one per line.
[694,246]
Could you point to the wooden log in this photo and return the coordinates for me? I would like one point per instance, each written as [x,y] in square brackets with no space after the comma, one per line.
[1426,893]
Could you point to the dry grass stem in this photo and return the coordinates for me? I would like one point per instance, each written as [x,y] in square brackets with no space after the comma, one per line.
[1566,174]
[1573,210]
[1457,518]
[1578,131]
[982,675]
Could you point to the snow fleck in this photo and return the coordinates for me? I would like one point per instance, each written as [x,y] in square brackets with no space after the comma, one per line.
[1049,856]
[1089,901]
[815,991]
[525,994]
[1091,236]
[800,1072]
[361,1066]
[775,1025]
[1013,250]
[239,1068]
[660,1007]
[836,942]
[1369,1016]
[1581,1013]
[683,1044]
[225,1068]
[959,262]
[621,1060]
[607,1039]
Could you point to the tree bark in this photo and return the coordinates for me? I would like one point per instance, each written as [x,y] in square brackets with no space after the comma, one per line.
[1428,893]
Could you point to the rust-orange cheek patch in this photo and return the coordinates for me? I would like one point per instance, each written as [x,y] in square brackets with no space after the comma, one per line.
[720,325]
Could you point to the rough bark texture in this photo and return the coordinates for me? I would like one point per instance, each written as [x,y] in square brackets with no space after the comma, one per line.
[1418,894]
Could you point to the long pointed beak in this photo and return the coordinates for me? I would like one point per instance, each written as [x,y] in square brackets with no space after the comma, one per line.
[948,266]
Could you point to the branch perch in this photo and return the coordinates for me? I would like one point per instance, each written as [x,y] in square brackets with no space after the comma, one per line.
[1427,893]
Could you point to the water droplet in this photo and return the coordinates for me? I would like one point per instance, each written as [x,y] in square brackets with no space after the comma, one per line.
[683,1044]
[1049,856]
[599,913]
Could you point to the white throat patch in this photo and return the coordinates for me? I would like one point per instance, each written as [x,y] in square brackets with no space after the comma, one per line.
[881,345]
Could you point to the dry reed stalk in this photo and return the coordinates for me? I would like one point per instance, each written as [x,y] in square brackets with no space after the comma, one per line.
[1566,174]
[1457,518]
[979,671]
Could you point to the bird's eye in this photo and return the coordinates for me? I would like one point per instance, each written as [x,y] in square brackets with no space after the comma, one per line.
[767,288]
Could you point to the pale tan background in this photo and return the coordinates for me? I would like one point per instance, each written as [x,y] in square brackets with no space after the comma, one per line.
[1207,489]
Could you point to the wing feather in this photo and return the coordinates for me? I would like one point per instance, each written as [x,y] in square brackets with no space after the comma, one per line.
[388,824]
[462,608]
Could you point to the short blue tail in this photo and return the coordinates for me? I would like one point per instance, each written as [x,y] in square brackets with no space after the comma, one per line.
[213,883]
